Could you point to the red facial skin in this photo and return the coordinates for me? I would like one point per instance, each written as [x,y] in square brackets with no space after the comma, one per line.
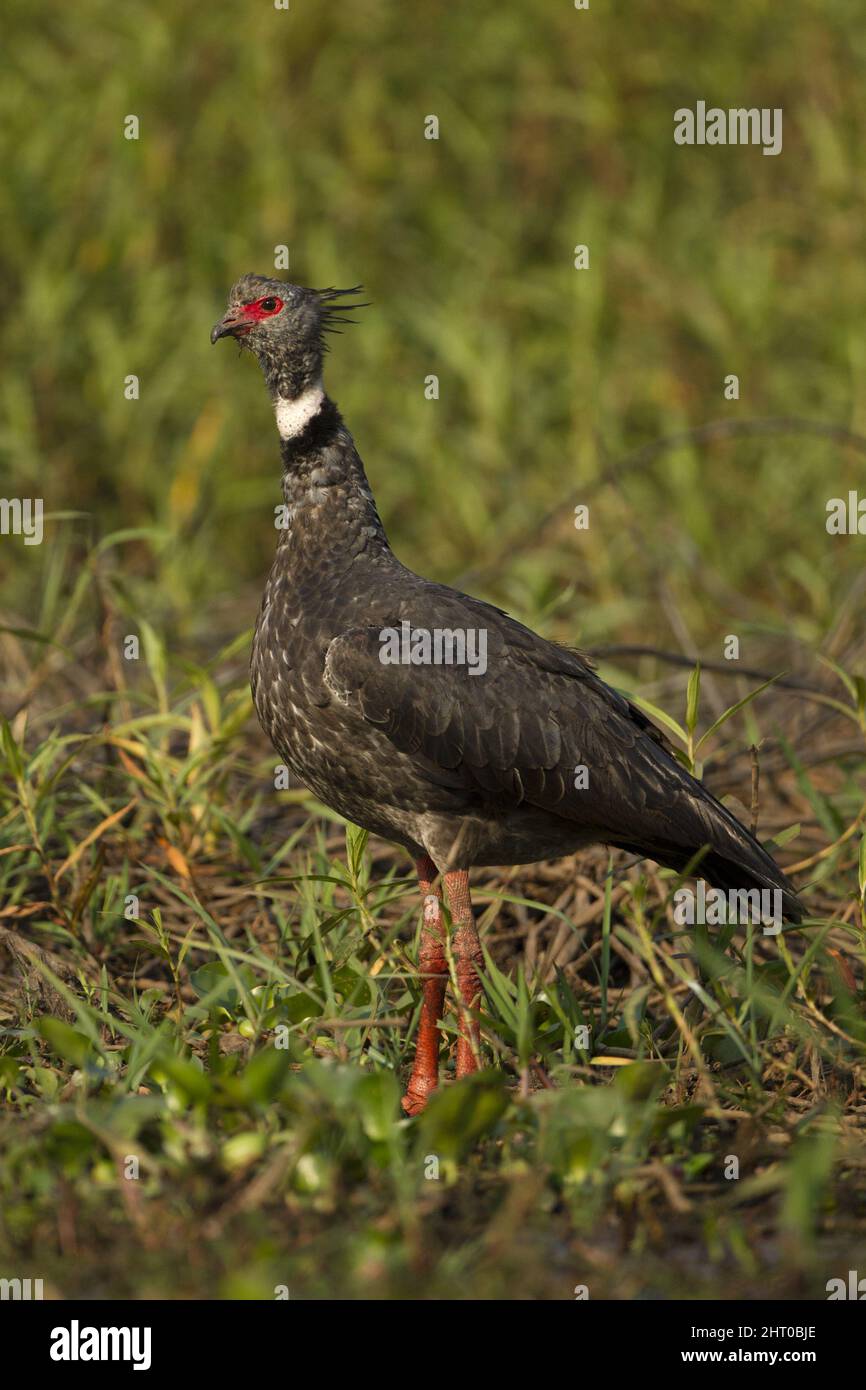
[256,312]
[241,319]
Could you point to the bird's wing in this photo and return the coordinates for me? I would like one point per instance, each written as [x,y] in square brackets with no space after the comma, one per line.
[516,731]
[521,731]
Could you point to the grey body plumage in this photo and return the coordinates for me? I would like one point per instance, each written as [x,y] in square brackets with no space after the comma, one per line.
[468,769]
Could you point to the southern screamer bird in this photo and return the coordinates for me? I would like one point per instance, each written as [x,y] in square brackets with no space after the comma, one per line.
[430,718]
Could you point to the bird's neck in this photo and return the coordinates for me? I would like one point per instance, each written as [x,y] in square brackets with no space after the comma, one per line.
[328,505]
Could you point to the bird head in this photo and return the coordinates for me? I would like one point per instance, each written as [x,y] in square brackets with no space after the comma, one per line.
[284,325]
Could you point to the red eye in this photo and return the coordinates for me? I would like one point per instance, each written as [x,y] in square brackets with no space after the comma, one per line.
[264,308]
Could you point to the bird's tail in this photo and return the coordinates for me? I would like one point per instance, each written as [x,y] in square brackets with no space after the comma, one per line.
[732,859]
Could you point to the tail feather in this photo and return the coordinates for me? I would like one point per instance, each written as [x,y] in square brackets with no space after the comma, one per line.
[734,859]
[729,874]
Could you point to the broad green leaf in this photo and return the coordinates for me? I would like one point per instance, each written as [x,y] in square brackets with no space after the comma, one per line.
[457,1117]
[65,1041]
[378,1098]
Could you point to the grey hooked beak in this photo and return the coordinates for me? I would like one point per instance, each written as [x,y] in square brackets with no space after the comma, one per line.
[229,326]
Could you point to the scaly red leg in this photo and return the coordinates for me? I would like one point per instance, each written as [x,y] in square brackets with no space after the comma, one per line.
[433,968]
[467,957]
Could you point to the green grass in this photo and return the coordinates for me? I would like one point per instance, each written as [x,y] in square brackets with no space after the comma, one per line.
[165,914]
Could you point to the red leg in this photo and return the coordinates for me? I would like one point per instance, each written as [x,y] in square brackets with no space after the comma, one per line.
[467,958]
[433,968]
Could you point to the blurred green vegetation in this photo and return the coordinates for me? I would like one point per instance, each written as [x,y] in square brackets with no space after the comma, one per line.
[261,127]
[148,1028]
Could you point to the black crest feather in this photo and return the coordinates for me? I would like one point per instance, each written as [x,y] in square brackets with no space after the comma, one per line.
[333,312]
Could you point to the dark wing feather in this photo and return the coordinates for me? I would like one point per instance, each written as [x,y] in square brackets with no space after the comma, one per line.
[515,735]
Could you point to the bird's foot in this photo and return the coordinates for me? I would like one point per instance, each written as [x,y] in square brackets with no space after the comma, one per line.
[418,1092]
